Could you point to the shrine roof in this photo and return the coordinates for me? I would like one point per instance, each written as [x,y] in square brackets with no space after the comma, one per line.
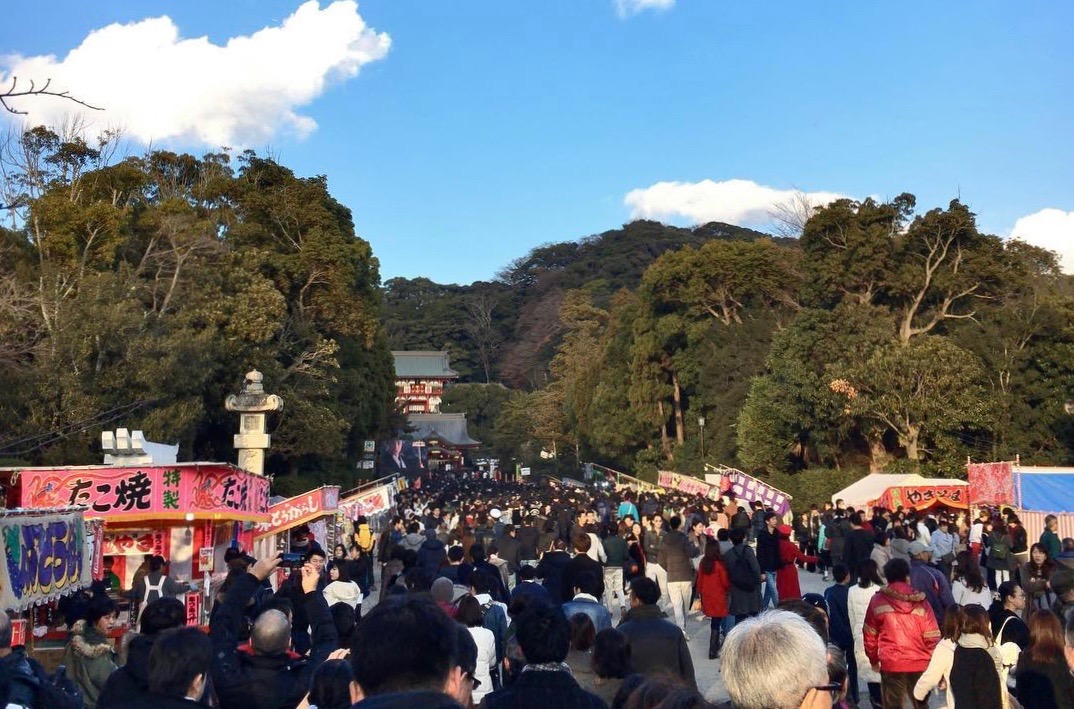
[449,428]
[420,364]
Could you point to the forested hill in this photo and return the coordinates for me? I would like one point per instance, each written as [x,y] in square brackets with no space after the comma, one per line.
[507,329]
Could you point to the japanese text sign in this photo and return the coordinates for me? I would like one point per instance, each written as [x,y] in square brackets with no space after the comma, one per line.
[368,503]
[683,483]
[749,489]
[44,557]
[925,496]
[298,510]
[150,492]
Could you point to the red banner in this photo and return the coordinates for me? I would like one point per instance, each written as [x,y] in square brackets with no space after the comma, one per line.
[18,632]
[193,608]
[924,496]
[299,510]
[368,503]
[150,492]
[992,483]
[134,543]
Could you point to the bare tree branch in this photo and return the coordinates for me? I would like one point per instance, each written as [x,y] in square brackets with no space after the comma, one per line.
[14,91]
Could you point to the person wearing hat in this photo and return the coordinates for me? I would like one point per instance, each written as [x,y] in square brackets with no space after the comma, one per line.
[787,574]
[929,580]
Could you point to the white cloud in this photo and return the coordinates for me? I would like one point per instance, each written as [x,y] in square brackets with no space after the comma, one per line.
[742,202]
[1052,229]
[627,8]
[160,86]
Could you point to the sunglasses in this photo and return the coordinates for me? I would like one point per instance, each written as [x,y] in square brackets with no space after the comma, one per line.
[474,681]
[832,687]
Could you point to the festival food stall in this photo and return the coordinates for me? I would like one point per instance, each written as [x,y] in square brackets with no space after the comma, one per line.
[906,490]
[1034,492]
[188,513]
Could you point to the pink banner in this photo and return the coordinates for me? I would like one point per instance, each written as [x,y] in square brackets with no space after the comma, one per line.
[150,492]
[683,483]
[991,483]
[369,503]
[298,510]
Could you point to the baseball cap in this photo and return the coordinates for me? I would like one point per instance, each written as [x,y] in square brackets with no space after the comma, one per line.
[916,548]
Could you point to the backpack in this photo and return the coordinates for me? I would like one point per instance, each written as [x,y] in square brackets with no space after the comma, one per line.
[742,576]
[364,538]
[1000,548]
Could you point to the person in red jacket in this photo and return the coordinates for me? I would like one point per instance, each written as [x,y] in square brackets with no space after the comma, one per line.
[713,584]
[787,576]
[900,634]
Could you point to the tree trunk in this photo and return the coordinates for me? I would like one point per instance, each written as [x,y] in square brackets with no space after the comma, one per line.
[879,456]
[911,441]
[680,427]
[665,440]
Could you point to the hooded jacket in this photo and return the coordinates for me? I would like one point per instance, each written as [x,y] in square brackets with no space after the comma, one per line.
[432,554]
[900,630]
[90,659]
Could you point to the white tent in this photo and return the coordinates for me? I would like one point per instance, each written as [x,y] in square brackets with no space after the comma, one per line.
[872,486]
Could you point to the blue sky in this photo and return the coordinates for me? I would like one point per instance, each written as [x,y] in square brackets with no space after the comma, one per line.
[462,134]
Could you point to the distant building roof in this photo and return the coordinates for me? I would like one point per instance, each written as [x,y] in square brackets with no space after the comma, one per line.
[423,364]
[449,428]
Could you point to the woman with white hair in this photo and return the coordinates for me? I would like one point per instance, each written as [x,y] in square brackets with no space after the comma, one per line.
[776,661]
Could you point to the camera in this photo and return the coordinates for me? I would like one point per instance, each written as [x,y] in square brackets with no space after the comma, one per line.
[290,560]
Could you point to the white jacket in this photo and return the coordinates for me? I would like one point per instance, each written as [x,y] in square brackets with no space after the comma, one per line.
[857,604]
[939,668]
[486,659]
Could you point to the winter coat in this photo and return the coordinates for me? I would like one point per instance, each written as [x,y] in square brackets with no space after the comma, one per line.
[528,540]
[343,592]
[585,604]
[939,669]
[787,576]
[857,604]
[1007,627]
[486,659]
[131,681]
[432,554]
[929,580]
[156,701]
[1008,562]
[964,595]
[264,681]
[675,554]
[615,549]
[900,629]
[742,602]
[1051,543]
[412,541]
[574,568]
[543,689]
[20,677]
[550,571]
[510,550]
[713,588]
[657,644]
[858,548]
[90,658]
[1044,685]
[838,600]
[881,555]
[975,674]
[768,552]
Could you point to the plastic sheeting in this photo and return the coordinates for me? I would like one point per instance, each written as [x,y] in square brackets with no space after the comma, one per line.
[1045,489]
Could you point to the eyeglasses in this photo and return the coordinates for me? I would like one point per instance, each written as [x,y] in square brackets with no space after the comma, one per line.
[474,681]
[832,688]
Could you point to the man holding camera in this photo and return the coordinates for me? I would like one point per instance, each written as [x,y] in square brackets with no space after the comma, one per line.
[270,677]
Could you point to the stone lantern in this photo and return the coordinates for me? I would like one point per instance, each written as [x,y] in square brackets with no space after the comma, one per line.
[253,406]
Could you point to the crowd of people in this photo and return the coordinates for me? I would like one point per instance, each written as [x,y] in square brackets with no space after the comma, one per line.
[502,594]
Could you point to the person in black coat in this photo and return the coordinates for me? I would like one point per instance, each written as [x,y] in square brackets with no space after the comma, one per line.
[544,636]
[271,678]
[580,563]
[179,671]
[131,681]
[551,568]
[656,644]
[858,546]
